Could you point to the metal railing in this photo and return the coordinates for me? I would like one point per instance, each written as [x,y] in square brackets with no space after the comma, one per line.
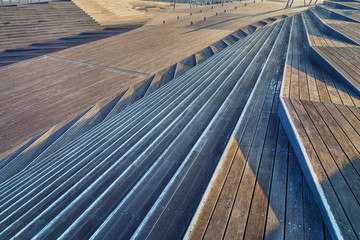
[290,2]
[16,2]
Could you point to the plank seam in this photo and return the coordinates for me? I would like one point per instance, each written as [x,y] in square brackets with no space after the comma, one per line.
[98,66]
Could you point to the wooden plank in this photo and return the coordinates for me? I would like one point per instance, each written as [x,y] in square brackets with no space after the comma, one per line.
[333,92]
[294,85]
[323,93]
[313,224]
[343,191]
[340,161]
[311,81]
[294,215]
[210,199]
[275,223]
[217,226]
[303,84]
[320,176]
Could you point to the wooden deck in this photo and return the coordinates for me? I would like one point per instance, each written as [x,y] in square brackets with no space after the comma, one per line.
[321,117]
[11,56]
[142,172]
[34,23]
[132,57]
[340,56]
[348,31]
[258,190]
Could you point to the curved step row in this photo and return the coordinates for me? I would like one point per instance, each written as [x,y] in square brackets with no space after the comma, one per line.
[163,136]
[97,114]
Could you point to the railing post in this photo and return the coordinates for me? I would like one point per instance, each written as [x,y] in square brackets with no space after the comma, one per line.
[287,4]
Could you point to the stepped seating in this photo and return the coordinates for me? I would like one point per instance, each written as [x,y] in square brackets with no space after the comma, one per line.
[101,111]
[258,190]
[320,114]
[338,56]
[152,130]
[24,24]
[107,12]
[348,31]
[138,165]
[142,172]
[120,8]
[11,56]
[335,11]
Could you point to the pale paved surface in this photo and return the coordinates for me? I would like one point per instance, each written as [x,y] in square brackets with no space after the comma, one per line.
[146,50]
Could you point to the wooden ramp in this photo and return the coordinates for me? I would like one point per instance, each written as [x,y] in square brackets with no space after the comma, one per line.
[320,114]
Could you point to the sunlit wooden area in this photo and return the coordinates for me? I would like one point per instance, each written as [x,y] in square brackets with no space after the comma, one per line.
[179,120]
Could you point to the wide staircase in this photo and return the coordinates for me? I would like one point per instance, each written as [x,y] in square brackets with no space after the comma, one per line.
[24,24]
[258,140]
[32,30]
[320,111]
[113,12]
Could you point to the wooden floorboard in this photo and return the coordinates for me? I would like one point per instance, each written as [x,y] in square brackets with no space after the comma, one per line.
[331,51]
[307,81]
[59,91]
[257,191]
[33,23]
[330,160]
[323,128]
[147,50]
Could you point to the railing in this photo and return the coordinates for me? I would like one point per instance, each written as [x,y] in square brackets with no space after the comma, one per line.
[290,2]
[15,2]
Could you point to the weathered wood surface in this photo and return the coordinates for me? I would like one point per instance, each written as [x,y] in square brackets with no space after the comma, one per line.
[135,55]
[34,23]
[258,190]
[149,164]
[319,112]
[341,56]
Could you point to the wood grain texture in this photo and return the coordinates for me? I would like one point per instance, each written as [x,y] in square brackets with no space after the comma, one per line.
[325,126]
